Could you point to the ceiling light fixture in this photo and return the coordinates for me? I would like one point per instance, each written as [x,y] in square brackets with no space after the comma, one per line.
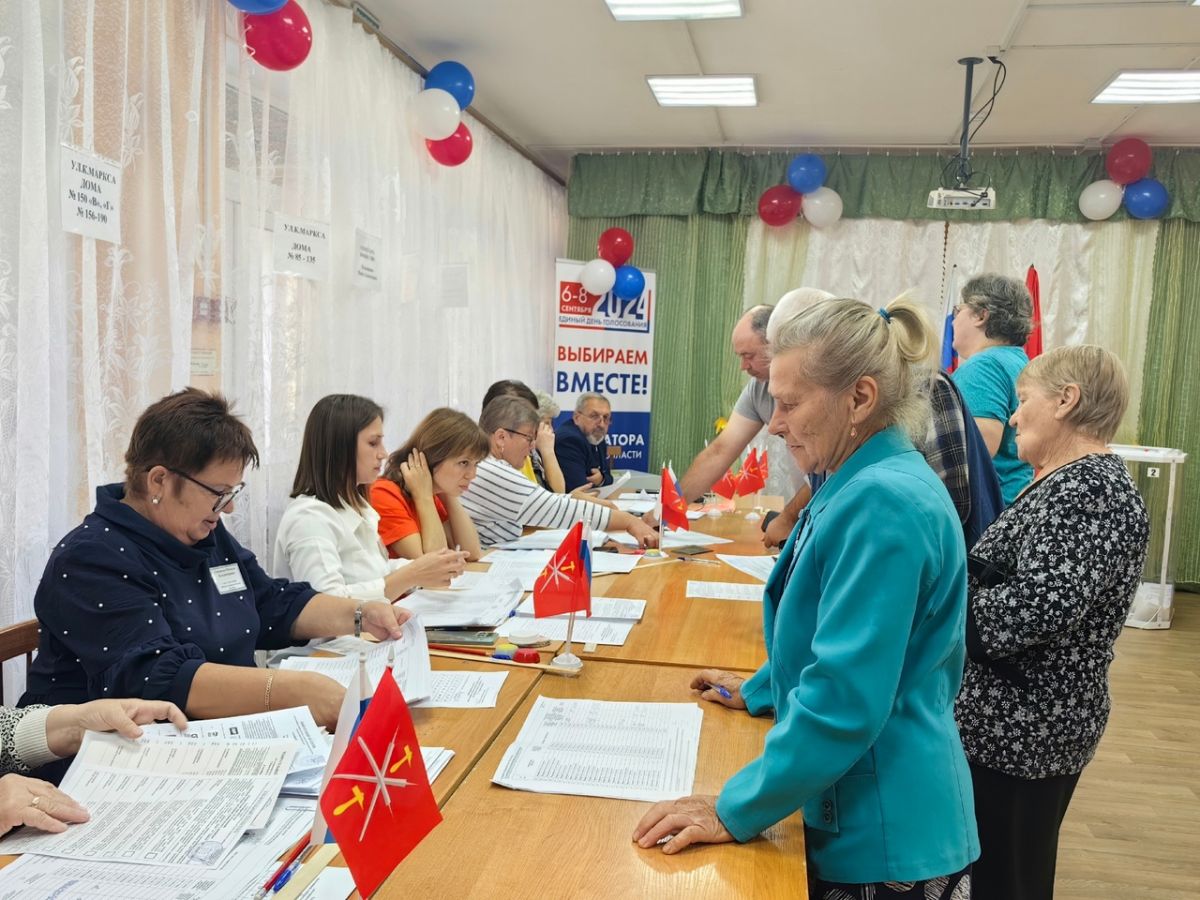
[1151,87]
[703,90]
[651,10]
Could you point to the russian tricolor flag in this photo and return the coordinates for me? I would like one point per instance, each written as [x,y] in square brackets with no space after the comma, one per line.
[949,357]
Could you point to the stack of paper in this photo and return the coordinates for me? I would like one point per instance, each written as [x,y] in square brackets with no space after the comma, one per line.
[674,539]
[595,748]
[486,605]
[411,671]
[164,801]
[526,565]
[724,590]
[755,566]
[548,539]
[436,759]
[586,631]
[611,608]
[34,877]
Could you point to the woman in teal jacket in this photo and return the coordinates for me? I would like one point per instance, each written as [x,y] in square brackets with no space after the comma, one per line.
[864,617]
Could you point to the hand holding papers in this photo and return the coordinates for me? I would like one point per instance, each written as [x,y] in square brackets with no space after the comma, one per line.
[627,751]
[165,801]
[411,670]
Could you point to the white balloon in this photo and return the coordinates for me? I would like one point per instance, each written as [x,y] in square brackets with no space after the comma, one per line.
[598,276]
[822,207]
[436,114]
[1101,199]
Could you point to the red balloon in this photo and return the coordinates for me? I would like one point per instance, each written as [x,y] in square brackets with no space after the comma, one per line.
[1128,161]
[779,205]
[454,150]
[279,40]
[616,246]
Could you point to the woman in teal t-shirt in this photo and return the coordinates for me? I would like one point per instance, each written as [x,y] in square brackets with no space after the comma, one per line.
[991,326]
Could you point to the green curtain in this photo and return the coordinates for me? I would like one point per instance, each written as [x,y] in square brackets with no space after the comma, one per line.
[698,261]
[723,182]
[1170,414]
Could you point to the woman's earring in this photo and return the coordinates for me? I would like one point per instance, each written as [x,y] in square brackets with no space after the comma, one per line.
[156,500]
[853,433]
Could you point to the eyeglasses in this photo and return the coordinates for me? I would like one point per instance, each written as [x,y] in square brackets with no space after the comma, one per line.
[532,439]
[598,417]
[224,498]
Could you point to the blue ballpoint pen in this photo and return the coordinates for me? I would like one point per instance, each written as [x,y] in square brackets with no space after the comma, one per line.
[723,691]
[285,877]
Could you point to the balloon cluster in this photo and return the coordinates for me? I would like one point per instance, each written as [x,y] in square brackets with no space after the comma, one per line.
[437,112]
[1128,183]
[805,191]
[611,270]
[277,33]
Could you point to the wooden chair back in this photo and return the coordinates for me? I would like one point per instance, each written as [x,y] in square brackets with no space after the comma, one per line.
[15,640]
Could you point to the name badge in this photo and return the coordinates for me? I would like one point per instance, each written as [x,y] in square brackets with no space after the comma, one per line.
[228,579]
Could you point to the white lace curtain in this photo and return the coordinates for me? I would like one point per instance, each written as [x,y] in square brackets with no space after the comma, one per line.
[210,146]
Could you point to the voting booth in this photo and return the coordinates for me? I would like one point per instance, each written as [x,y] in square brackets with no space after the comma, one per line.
[1157,472]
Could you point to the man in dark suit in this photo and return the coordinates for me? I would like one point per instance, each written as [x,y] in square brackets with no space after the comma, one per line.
[580,443]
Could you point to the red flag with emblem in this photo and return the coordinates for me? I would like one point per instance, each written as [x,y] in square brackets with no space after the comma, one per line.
[674,507]
[1033,346]
[378,803]
[727,486]
[764,466]
[751,479]
[565,585]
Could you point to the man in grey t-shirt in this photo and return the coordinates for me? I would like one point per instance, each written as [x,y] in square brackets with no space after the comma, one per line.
[752,411]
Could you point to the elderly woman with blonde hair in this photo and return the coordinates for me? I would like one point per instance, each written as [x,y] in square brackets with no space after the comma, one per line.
[864,621]
[1050,584]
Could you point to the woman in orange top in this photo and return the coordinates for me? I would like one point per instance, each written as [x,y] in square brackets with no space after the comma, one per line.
[417,496]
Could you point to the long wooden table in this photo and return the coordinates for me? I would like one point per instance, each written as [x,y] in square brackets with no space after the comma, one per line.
[496,842]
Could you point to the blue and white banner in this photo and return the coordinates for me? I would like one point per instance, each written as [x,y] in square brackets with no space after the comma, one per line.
[605,344]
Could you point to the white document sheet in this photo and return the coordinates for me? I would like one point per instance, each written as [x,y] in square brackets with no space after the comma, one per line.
[164,801]
[724,590]
[436,759]
[596,748]
[484,606]
[253,860]
[469,580]
[548,539]
[296,724]
[464,690]
[333,883]
[674,539]
[412,670]
[755,566]
[637,504]
[609,489]
[619,608]
[587,631]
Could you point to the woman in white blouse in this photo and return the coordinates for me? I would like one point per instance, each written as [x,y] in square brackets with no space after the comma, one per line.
[329,534]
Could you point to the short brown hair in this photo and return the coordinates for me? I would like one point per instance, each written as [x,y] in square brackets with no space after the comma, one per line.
[510,388]
[185,431]
[1100,377]
[443,434]
[509,414]
[328,468]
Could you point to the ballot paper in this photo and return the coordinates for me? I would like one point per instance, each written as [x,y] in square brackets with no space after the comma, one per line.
[636,505]
[163,801]
[597,748]
[609,489]
[587,631]
[295,724]
[755,566]
[526,565]
[673,539]
[464,690]
[619,608]
[549,539]
[469,580]
[411,671]
[484,606]
[35,877]
[724,590]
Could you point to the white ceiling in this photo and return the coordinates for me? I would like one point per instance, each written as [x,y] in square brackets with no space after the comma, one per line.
[562,76]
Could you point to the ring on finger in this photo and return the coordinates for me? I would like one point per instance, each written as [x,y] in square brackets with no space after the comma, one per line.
[35,801]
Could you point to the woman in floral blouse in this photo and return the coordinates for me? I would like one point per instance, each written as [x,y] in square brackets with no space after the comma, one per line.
[1050,583]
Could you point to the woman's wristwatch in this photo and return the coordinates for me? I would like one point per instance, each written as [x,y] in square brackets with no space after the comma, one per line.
[358,613]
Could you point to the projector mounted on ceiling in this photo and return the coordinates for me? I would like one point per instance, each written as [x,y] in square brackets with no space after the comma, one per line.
[967,189]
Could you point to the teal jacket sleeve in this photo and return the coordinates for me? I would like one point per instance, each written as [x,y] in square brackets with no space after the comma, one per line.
[871,572]
[756,692]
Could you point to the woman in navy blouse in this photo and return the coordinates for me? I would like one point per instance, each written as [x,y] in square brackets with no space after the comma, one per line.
[151,597]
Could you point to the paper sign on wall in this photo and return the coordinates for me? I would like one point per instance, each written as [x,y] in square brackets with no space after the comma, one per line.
[301,247]
[367,250]
[91,195]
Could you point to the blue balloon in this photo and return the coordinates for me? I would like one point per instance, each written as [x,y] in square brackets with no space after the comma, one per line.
[1146,199]
[630,283]
[259,7]
[806,173]
[454,78]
